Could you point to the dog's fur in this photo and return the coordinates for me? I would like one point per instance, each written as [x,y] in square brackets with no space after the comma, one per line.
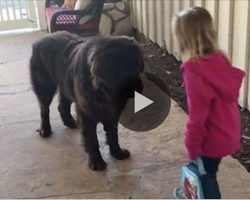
[99,74]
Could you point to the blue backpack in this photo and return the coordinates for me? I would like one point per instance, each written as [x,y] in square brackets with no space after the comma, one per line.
[196,183]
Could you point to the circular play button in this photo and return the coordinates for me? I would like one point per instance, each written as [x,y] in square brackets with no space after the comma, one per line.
[148,110]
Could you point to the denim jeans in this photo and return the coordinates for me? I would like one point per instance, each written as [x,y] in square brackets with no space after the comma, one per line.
[211,166]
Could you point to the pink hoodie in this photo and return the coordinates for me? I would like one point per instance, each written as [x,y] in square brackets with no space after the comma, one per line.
[212,86]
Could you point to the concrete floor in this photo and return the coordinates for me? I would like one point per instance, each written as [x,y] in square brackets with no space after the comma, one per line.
[32,167]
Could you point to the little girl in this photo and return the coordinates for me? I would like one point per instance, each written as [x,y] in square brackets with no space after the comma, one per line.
[212,86]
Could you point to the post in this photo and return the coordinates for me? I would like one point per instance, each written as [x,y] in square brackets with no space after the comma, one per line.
[41,14]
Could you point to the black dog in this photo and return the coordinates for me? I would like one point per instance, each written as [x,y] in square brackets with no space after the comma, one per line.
[99,74]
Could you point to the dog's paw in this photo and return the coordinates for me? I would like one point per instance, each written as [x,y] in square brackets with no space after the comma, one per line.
[71,123]
[98,165]
[120,155]
[45,133]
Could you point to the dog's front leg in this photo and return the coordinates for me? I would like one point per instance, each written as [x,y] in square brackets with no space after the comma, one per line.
[90,139]
[112,139]
[64,109]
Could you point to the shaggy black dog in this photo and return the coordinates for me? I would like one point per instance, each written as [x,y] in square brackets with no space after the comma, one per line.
[99,74]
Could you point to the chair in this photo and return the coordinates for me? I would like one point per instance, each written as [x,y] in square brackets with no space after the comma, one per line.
[83,22]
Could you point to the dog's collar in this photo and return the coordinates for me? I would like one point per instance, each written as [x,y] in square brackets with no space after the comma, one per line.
[70,46]
[75,42]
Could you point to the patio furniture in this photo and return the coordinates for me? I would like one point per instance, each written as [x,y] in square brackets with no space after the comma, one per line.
[116,18]
[83,22]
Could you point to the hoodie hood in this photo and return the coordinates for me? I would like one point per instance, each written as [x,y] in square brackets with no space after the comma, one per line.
[225,79]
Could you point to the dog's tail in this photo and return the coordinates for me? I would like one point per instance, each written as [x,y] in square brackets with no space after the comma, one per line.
[36,62]
[41,82]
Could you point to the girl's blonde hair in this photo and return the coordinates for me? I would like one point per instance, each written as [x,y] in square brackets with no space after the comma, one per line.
[194,32]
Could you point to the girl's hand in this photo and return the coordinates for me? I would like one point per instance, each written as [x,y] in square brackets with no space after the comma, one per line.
[192,156]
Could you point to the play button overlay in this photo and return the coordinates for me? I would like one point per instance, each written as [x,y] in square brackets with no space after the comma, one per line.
[141,102]
[149,109]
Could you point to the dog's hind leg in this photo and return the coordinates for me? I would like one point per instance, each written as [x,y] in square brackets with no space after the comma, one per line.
[112,139]
[45,89]
[45,92]
[64,109]
[96,162]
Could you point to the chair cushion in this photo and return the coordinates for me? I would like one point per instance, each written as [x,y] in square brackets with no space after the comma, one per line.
[69,4]
[89,25]
[82,4]
[85,19]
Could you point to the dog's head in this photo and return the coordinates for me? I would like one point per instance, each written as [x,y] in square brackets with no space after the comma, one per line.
[117,62]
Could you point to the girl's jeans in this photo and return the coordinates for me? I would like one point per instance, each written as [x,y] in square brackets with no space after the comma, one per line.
[211,166]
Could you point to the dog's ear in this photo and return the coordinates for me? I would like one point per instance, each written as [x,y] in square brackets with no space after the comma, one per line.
[132,41]
[141,62]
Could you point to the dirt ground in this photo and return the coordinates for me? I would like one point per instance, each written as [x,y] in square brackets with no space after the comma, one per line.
[167,68]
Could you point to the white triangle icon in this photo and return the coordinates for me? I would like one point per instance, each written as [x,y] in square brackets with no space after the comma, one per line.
[141,102]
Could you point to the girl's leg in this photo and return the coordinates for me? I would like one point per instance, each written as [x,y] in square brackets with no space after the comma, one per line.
[211,166]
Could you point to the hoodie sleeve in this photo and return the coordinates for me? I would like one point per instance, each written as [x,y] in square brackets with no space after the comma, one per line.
[199,97]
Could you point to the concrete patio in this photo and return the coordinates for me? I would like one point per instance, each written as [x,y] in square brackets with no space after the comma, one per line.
[32,167]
